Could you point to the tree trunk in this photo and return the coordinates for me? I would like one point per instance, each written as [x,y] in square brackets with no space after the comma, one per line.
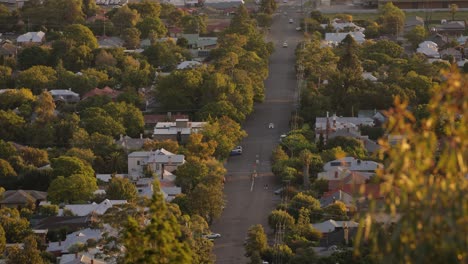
[305,175]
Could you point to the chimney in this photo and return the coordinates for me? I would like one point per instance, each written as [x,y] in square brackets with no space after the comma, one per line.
[141,135]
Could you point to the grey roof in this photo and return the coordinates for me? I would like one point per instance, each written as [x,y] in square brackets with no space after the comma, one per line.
[22,196]
[338,195]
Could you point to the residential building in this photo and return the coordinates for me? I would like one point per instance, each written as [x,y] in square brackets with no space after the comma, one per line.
[200,46]
[331,225]
[188,65]
[438,39]
[152,120]
[413,21]
[167,184]
[340,173]
[326,125]
[337,195]
[22,199]
[158,161]
[179,130]
[353,177]
[71,223]
[129,143]
[65,96]
[369,76]
[91,209]
[353,164]
[429,48]
[451,52]
[78,237]
[79,258]
[344,26]
[456,28]
[7,49]
[31,38]
[110,42]
[334,39]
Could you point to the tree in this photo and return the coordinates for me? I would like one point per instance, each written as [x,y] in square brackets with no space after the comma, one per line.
[16,228]
[207,201]
[67,166]
[303,227]
[11,125]
[302,200]
[29,254]
[89,7]
[428,169]
[159,241]
[416,35]
[32,56]
[34,156]
[267,6]
[131,38]
[306,158]
[2,239]
[146,8]
[180,90]
[125,18]
[37,78]
[121,189]
[128,115]
[16,98]
[152,25]
[336,211]
[80,35]
[197,148]
[351,146]
[453,10]
[167,144]
[77,187]
[296,143]
[225,132]
[45,108]
[194,24]
[6,170]
[256,240]
[391,18]
[97,120]
[83,154]
[280,217]
[190,174]
[49,210]
[200,245]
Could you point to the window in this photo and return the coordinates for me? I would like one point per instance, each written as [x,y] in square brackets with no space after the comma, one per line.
[138,162]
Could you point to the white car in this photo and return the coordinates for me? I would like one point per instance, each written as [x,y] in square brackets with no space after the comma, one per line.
[291,21]
[213,236]
[285,45]
[271,125]
[298,29]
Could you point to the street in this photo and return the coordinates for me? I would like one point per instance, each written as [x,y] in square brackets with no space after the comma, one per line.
[248,202]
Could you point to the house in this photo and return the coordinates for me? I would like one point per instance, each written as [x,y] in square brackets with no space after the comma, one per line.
[129,143]
[7,49]
[330,226]
[152,120]
[106,91]
[78,237]
[369,76]
[429,48]
[344,26]
[110,42]
[340,173]
[223,4]
[179,130]
[334,39]
[438,39]
[370,145]
[200,46]
[337,195]
[353,164]
[22,199]
[188,65]
[413,21]
[168,188]
[325,125]
[378,115]
[353,177]
[93,208]
[451,52]
[451,28]
[31,38]
[65,96]
[158,161]
[79,259]
[71,223]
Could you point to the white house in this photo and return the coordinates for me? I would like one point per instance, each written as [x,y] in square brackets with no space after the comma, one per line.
[168,188]
[332,225]
[429,48]
[78,237]
[66,96]
[179,130]
[352,164]
[324,125]
[31,38]
[188,65]
[334,39]
[159,161]
[93,208]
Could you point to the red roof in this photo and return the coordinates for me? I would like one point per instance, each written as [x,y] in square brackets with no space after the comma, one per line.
[107,91]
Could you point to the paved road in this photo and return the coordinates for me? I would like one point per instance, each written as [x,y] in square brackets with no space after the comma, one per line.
[248,203]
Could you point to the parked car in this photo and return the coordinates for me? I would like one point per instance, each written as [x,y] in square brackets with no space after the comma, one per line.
[279,191]
[285,45]
[282,137]
[213,236]
[291,21]
[236,151]
[271,125]
[298,29]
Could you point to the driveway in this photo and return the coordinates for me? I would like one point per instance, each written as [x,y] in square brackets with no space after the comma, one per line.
[248,202]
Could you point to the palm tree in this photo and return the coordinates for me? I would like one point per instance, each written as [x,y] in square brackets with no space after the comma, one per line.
[453,10]
[306,157]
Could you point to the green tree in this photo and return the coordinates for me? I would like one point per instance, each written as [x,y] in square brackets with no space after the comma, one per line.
[180,90]
[45,108]
[225,132]
[80,35]
[302,200]
[97,120]
[194,24]
[303,227]
[16,98]
[32,56]
[306,158]
[121,189]
[416,35]
[256,240]
[131,38]
[351,146]
[77,187]
[34,156]
[83,154]
[167,144]
[453,10]
[16,228]
[391,18]
[6,170]
[128,115]
[151,24]
[268,6]
[67,166]
[336,211]
[428,169]
[190,174]
[280,217]
[207,201]
[125,18]
[29,254]
[11,125]
[37,78]
[160,240]
[2,239]
[146,8]
[49,210]
[296,143]
[196,147]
